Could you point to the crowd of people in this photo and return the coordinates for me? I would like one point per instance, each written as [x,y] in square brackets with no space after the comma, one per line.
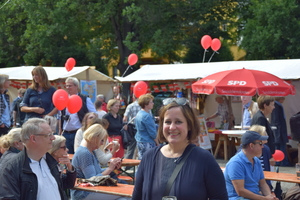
[35,164]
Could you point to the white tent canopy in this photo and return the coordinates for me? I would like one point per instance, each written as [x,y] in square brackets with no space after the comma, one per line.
[288,69]
[55,73]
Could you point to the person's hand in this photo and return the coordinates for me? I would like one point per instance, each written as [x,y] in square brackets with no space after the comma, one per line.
[272,161]
[66,160]
[115,147]
[115,163]
[271,197]
[2,125]
[125,127]
[109,146]
[39,110]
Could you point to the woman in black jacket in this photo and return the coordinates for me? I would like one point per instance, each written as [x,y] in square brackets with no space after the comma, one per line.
[59,151]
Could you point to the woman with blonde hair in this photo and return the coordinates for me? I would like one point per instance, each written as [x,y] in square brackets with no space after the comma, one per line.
[5,114]
[105,152]
[115,125]
[2,150]
[86,163]
[11,142]
[59,152]
[37,101]
[86,121]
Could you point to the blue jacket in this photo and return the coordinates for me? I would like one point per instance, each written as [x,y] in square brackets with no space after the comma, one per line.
[145,127]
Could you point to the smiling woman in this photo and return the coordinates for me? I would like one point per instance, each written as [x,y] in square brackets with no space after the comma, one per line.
[199,175]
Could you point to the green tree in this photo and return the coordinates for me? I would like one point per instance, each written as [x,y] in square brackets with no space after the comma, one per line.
[98,32]
[271,30]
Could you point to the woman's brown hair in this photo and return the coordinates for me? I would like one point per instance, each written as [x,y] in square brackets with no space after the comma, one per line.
[41,72]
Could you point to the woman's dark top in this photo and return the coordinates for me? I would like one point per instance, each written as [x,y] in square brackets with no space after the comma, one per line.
[200,178]
[33,98]
[115,124]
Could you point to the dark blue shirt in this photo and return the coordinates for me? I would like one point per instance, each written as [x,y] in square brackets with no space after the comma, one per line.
[33,98]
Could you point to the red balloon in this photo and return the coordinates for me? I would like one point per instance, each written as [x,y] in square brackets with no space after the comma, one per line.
[278,155]
[215,44]
[70,63]
[132,59]
[140,88]
[206,41]
[74,104]
[60,99]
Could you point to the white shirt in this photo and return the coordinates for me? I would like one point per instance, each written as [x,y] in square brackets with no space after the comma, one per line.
[47,185]
[74,122]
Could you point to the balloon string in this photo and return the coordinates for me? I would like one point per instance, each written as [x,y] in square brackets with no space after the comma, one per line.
[204,55]
[212,56]
[126,70]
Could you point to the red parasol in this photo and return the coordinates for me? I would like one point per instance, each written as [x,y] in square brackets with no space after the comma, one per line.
[243,82]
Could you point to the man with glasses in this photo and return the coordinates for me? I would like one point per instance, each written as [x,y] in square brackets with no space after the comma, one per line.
[243,174]
[33,173]
[70,123]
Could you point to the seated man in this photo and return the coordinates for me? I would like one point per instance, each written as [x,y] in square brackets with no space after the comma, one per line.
[243,174]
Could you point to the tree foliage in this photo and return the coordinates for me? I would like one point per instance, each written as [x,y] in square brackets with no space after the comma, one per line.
[271,29]
[96,33]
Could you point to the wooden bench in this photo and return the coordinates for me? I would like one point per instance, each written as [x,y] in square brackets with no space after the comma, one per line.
[123,190]
[126,178]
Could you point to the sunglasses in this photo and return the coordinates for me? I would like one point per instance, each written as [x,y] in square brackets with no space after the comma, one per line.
[179,101]
[63,147]
[260,143]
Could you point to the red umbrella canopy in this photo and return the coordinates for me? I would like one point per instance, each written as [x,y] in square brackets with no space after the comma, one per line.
[243,82]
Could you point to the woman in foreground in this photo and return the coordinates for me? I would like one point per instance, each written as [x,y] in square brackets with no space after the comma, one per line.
[200,177]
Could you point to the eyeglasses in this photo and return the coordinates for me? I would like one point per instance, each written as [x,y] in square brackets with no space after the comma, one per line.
[260,143]
[63,147]
[45,135]
[180,101]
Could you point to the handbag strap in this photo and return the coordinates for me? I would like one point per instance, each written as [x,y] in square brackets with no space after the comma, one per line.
[176,172]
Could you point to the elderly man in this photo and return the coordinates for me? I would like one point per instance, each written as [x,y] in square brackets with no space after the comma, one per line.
[244,175]
[101,98]
[249,109]
[70,123]
[222,112]
[33,173]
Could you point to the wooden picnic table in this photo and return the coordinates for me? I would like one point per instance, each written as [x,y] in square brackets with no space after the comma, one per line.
[282,177]
[123,190]
[125,163]
[224,136]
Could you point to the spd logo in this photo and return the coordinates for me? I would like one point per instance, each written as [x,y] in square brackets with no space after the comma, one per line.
[236,83]
[270,83]
[208,81]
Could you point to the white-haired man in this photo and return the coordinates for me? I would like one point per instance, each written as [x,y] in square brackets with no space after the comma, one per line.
[33,173]
[70,123]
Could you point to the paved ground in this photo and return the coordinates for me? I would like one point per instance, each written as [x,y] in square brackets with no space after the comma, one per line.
[284,186]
